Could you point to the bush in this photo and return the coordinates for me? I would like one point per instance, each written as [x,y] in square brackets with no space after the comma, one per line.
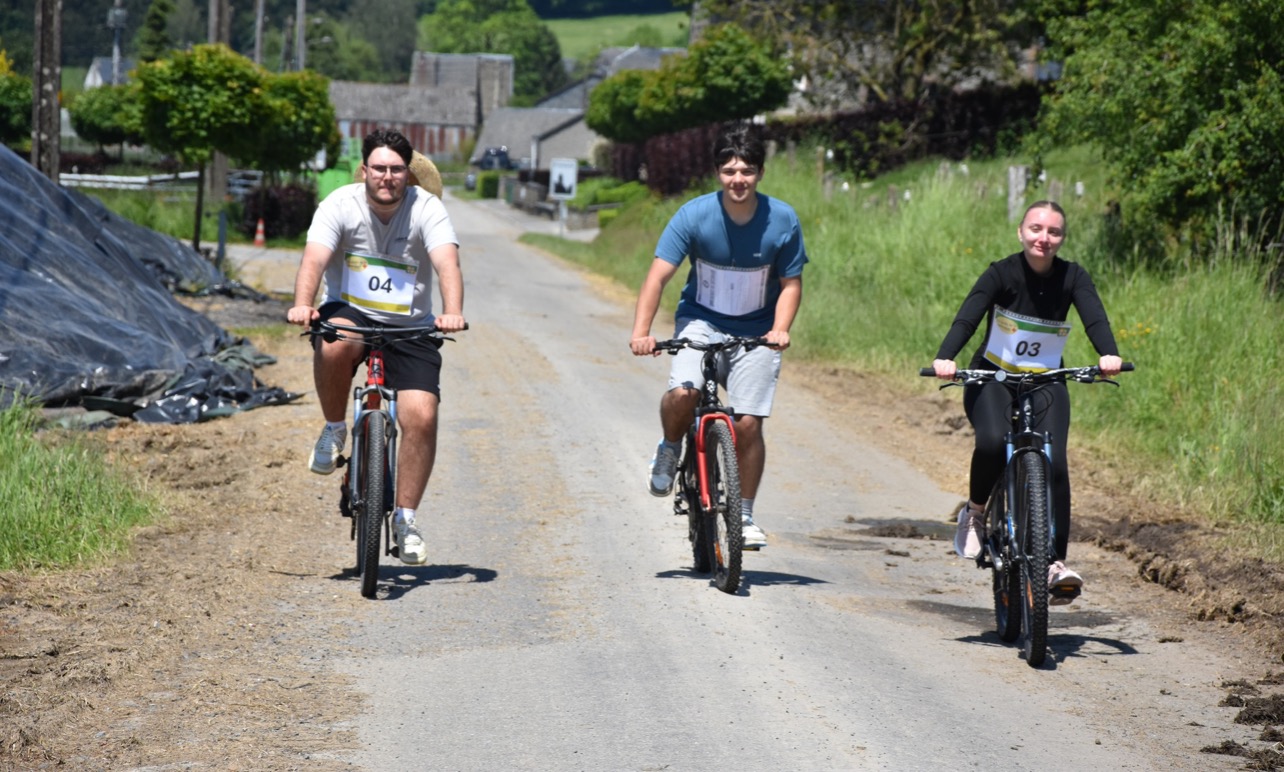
[604,216]
[488,184]
[286,211]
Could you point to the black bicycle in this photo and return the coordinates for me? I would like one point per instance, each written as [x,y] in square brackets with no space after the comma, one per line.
[367,495]
[1019,530]
[707,489]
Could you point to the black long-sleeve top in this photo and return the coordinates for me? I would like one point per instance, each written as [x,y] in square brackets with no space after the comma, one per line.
[1010,283]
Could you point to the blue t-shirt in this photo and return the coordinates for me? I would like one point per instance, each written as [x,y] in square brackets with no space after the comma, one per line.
[736,270]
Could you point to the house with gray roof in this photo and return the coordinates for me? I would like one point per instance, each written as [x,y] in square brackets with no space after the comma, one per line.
[438,110]
[555,127]
[536,135]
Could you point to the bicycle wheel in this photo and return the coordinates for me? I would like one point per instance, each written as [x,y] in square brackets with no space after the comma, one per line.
[689,491]
[722,520]
[1007,579]
[1032,499]
[370,513]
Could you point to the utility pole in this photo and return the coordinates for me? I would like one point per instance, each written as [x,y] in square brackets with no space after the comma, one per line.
[258,32]
[46,113]
[116,23]
[219,32]
[300,30]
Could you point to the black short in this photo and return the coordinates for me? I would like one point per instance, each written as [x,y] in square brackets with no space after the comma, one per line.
[410,365]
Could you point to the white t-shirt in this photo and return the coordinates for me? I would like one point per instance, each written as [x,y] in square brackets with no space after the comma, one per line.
[382,269]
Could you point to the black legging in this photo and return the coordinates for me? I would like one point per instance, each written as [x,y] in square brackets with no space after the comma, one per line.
[989,407]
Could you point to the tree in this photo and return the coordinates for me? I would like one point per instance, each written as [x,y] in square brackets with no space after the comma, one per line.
[393,24]
[1184,97]
[15,103]
[108,115]
[201,101]
[725,76]
[153,40]
[500,27]
[302,123]
[885,50]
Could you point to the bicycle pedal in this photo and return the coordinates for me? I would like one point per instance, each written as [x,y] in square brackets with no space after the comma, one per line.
[754,548]
[1063,594]
[340,460]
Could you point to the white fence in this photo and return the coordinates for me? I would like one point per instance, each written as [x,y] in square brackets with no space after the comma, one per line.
[239,182]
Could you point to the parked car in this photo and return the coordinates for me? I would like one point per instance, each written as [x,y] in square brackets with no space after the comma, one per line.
[494,158]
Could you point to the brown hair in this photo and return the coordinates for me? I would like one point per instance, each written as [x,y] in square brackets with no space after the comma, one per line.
[1053,205]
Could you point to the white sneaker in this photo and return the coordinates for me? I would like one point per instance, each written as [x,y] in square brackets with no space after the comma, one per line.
[410,545]
[664,467]
[754,538]
[1064,585]
[325,454]
[967,538]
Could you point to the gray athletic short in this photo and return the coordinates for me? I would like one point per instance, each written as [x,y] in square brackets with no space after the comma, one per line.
[749,377]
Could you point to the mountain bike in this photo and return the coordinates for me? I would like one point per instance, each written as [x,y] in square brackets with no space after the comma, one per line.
[368,492]
[707,489]
[1019,527]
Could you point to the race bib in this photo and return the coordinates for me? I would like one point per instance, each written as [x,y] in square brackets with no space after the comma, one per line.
[1023,344]
[380,283]
[729,290]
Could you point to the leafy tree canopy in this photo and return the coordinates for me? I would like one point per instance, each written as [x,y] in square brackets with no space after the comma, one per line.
[15,103]
[303,122]
[725,76]
[108,115]
[201,101]
[1184,97]
[885,50]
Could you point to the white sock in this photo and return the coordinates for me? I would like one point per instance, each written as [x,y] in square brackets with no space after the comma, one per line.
[404,515]
[746,508]
[673,446]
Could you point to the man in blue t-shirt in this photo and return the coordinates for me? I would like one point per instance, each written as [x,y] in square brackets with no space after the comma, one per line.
[747,257]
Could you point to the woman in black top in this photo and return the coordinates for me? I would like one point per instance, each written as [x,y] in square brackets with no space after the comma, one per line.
[1024,299]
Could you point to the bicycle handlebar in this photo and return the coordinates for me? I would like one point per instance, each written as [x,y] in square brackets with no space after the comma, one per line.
[330,332]
[721,343]
[1090,374]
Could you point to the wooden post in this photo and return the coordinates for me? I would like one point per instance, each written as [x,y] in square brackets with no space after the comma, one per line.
[46,113]
[1016,192]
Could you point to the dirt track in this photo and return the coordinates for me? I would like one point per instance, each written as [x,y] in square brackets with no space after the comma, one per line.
[198,649]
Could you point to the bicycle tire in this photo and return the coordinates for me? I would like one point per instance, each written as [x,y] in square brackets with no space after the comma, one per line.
[722,522]
[1006,576]
[1032,493]
[689,489]
[370,529]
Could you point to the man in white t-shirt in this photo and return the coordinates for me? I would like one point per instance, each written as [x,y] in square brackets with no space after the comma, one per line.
[366,252]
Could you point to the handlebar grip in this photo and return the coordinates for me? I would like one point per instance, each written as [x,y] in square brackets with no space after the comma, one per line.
[927,372]
[1127,367]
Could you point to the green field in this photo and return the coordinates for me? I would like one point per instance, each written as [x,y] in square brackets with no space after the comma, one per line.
[580,39]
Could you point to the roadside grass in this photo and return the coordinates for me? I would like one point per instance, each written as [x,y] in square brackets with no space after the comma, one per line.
[1193,426]
[167,211]
[581,39]
[61,504]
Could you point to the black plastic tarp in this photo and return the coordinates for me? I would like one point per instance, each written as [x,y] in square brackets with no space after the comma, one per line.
[87,311]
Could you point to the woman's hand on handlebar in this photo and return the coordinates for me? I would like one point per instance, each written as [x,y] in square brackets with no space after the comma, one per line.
[302,315]
[778,339]
[1110,365]
[945,369]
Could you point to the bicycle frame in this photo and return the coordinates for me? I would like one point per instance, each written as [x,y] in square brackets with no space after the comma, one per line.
[368,404]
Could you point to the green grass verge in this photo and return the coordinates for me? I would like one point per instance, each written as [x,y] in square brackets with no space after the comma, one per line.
[60,504]
[892,258]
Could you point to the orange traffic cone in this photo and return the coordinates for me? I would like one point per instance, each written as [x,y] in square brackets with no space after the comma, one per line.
[259,239]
